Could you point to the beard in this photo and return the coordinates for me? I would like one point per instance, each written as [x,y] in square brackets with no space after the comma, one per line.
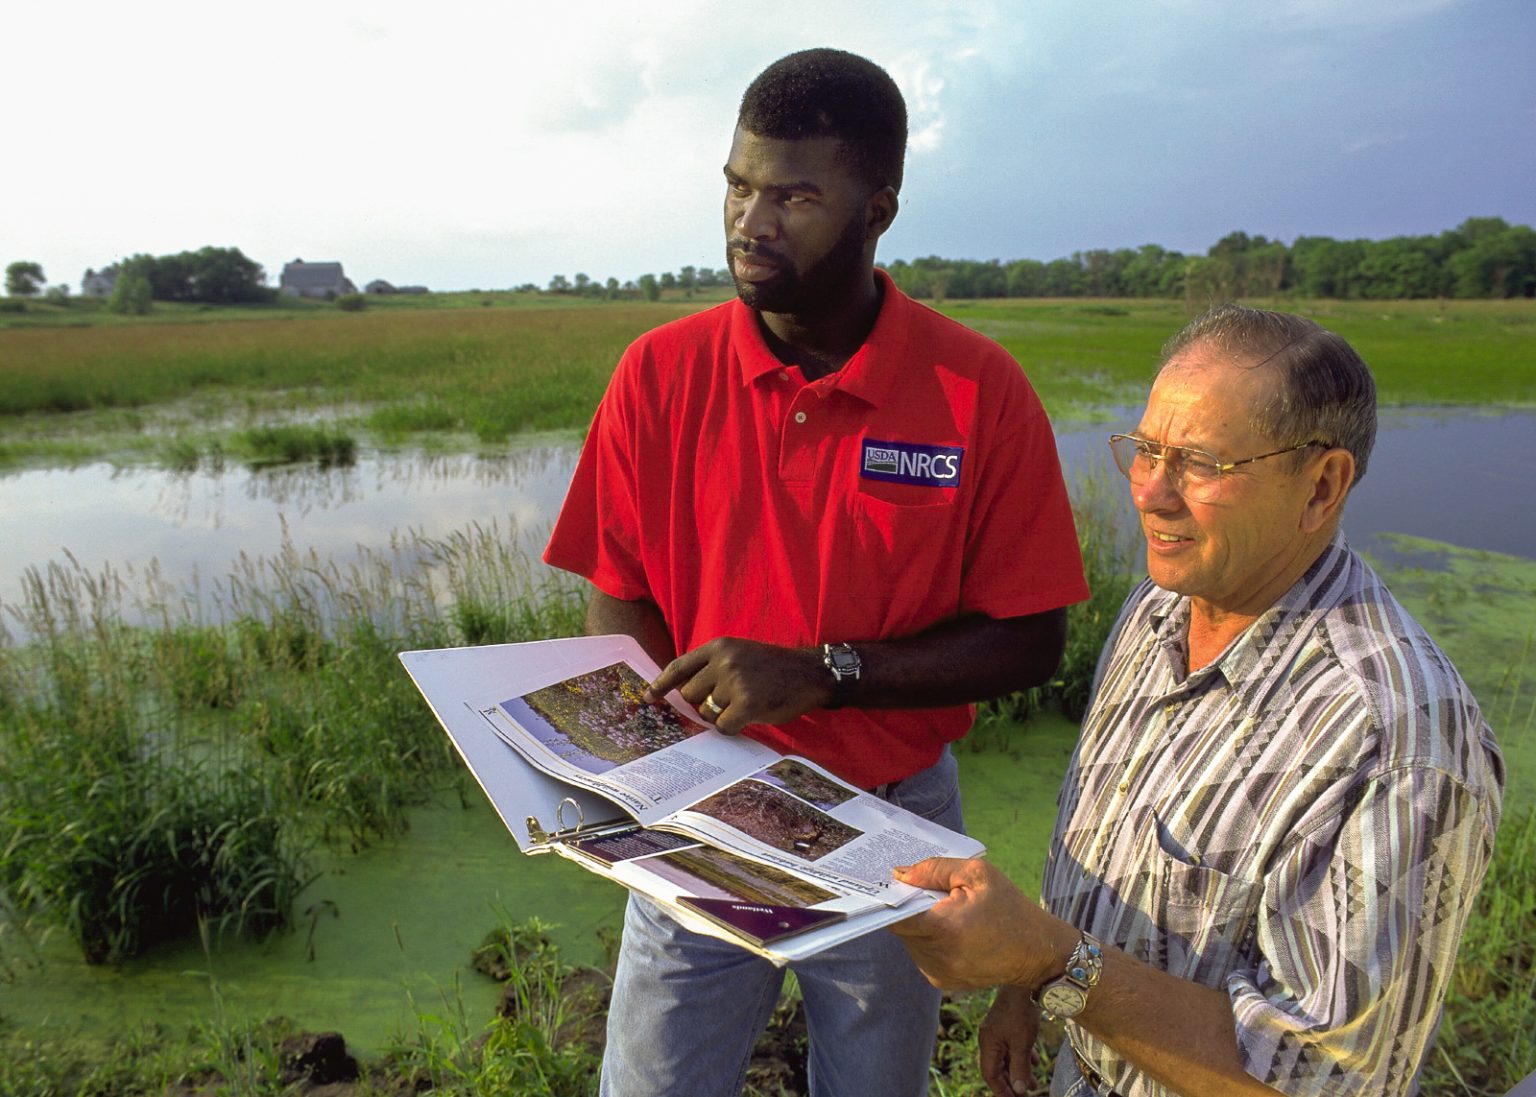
[805,293]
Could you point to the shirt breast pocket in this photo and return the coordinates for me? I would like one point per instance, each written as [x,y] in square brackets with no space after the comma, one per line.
[903,552]
[1208,918]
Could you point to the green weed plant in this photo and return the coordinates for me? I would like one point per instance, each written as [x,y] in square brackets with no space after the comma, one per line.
[297,443]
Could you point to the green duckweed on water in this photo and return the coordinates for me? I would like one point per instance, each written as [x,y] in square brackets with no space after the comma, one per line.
[1480,607]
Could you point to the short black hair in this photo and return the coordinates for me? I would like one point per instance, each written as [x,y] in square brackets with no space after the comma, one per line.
[832,93]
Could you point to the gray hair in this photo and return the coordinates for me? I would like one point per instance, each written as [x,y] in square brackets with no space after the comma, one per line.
[1324,391]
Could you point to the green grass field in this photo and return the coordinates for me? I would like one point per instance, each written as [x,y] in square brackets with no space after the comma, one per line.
[446,372]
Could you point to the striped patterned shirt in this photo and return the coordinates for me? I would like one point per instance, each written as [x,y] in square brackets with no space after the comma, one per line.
[1304,822]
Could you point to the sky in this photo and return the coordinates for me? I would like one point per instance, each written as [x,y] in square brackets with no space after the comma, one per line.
[468,144]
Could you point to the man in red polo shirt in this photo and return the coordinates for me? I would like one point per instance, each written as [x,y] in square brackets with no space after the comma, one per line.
[837,519]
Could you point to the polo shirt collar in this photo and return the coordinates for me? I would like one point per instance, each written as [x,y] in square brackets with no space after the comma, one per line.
[869,375]
[1245,656]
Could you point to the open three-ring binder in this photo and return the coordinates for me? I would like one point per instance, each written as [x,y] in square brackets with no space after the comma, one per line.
[734,840]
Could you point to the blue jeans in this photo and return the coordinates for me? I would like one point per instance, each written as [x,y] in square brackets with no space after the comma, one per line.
[687,1009]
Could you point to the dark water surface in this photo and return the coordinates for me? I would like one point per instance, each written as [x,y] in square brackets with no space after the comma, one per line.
[1458,476]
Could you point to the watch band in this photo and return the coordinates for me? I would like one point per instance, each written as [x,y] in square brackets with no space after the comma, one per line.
[1067,995]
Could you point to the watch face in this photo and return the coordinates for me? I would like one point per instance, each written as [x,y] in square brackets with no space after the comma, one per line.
[1063,999]
[843,662]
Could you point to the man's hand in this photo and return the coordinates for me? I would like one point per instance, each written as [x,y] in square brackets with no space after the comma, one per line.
[745,682]
[1006,1042]
[985,932]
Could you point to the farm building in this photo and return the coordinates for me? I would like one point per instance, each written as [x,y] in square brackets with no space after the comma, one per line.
[322,280]
[99,283]
[380,286]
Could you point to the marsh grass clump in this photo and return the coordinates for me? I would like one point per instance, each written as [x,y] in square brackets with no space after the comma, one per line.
[403,420]
[150,852]
[200,666]
[1110,564]
[294,443]
[169,763]
[122,823]
[180,455]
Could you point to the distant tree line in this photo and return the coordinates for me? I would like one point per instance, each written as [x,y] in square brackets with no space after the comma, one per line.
[1482,257]
[24,279]
[215,276]
[647,286]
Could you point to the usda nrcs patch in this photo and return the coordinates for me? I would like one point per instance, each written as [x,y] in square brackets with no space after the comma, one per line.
[912,463]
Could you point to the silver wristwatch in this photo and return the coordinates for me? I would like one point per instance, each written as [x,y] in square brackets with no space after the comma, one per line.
[1066,995]
[844,663]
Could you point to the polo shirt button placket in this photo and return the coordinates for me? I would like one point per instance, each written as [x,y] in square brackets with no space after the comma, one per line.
[797,461]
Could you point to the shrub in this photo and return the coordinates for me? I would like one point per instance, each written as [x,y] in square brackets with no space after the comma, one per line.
[351,302]
[132,294]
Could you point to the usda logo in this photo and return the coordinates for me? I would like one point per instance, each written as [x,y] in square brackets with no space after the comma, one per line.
[911,463]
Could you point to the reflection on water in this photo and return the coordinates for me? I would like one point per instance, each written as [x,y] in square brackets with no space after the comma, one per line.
[191,528]
[1459,477]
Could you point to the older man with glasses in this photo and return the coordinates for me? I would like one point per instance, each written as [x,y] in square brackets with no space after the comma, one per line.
[1284,797]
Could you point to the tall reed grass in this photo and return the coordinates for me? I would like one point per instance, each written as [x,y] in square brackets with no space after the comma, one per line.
[183,770]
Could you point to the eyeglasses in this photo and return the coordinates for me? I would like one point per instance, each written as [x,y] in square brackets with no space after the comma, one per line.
[1193,473]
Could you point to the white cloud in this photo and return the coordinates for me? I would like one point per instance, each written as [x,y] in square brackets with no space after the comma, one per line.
[498,142]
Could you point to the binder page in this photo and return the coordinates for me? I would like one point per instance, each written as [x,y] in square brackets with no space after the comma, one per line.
[670,866]
[795,814]
[594,730]
[447,677]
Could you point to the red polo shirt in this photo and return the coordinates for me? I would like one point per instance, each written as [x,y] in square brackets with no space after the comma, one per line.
[918,482]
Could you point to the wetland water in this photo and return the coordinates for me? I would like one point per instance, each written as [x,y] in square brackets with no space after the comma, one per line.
[1460,477]
[394,926]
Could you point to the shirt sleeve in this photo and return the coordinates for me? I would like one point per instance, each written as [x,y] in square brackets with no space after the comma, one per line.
[1357,937]
[597,534]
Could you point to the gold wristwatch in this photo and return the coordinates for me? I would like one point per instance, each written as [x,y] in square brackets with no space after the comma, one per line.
[1066,995]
